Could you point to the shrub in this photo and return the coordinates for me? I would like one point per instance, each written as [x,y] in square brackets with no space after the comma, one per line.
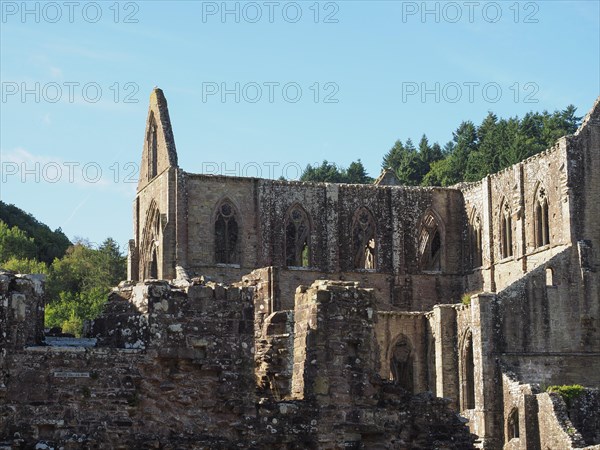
[466,299]
[567,392]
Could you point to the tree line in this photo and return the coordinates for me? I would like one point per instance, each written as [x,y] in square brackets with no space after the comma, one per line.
[472,153]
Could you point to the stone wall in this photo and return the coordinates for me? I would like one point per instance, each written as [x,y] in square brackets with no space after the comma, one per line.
[533,316]
[556,429]
[183,366]
[401,293]
[21,310]
[389,327]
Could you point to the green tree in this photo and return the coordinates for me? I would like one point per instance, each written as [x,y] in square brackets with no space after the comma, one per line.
[465,138]
[14,243]
[484,159]
[331,173]
[110,264]
[428,154]
[404,160]
[570,122]
[357,174]
[48,244]
[326,172]
[440,174]
[393,158]
[75,272]
[79,283]
[25,266]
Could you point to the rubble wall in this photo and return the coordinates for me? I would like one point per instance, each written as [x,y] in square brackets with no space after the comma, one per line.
[179,366]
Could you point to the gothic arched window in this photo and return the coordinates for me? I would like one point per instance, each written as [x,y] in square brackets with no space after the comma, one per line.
[153,270]
[152,145]
[540,217]
[475,240]
[467,373]
[363,239]
[226,234]
[297,238]
[506,242]
[401,363]
[430,244]
[512,424]
[151,245]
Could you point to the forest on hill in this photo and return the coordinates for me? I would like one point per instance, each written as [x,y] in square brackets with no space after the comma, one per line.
[78,275]
[472,153]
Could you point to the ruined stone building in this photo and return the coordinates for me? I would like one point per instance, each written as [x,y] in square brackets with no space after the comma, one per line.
[318,315]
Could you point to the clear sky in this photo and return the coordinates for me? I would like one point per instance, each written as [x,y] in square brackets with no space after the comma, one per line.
[262,88]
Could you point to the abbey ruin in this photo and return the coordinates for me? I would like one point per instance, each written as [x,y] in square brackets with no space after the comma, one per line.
[288,315]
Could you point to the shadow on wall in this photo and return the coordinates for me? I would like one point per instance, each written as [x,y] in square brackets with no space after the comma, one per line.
[550,309]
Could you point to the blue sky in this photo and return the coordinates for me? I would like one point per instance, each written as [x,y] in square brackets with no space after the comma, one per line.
[314,80]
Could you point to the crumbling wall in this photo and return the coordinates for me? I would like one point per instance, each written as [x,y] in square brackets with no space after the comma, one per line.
[556,429]
[335,365]
[520,422]
[274,356]
[389,327]
[584,412]
[184,367]
[21,311]
[179,365]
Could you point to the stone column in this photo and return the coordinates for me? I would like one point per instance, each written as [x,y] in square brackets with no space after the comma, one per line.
[488,384]
[446,357]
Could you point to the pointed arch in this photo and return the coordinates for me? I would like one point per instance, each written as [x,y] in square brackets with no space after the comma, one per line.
[159,152]
[506,231]
[431,249]
[226,232]
[297,237]
[152,146]
[401,362]
[363,235]
[467,372]
[153,270]
[150,248]
[475,239]
[512,424]
[540,216]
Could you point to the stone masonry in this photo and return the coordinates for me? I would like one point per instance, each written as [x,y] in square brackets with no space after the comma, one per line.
[286,315]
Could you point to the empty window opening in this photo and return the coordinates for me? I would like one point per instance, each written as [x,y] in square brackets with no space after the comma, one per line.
[401,364]
[506,243]
[542,228]
[468,373]
[226,235]
[430,244]
[297,238]
[476,246]
[150,247]
[152,148]
[363,239]
[153,269]
[513,424]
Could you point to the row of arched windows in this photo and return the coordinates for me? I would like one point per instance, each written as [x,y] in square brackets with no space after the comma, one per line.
[505,228]
[297,227]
